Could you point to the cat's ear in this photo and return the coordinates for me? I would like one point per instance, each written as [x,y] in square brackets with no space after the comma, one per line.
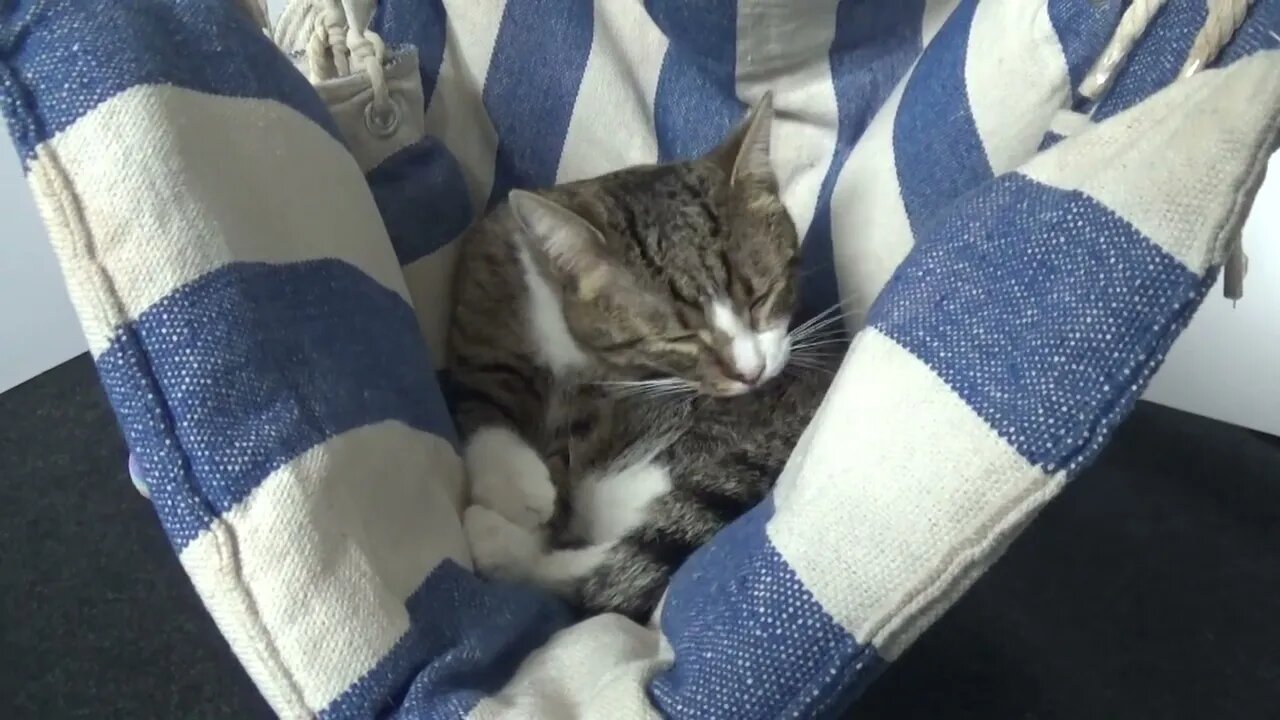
[745,155]
[565,242]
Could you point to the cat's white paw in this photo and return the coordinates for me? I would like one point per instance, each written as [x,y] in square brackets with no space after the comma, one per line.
[500,548]
[508,477]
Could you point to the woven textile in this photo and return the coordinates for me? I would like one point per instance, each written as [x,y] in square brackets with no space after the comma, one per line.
[264,282]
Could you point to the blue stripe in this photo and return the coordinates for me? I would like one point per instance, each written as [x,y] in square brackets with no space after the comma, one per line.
[59,60]
[750,640]
[1044,310]
[1157,57]
[420,191]
[465,640]
[537,66]
[422,197]
[1083,27]
[696,103]
[874,46]
[422,24]
[227,379]
[1050,139]
[936,146]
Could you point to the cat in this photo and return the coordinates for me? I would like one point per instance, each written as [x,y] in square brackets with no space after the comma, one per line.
[627,383]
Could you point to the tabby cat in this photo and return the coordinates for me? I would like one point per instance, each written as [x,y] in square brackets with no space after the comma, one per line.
[627,381]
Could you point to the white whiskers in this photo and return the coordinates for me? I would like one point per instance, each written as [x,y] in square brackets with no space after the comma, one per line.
[657,388]
[820,326]
[819,342]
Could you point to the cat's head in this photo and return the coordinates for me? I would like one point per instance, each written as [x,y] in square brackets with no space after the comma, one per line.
[684,271]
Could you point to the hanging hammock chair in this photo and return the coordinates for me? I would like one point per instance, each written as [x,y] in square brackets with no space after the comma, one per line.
[1021,201]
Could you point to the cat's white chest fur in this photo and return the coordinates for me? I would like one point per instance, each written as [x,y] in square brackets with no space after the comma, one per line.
[611,506]
[547,328]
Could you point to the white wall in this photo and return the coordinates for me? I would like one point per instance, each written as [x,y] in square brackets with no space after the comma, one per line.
[1227,363]
[38,329]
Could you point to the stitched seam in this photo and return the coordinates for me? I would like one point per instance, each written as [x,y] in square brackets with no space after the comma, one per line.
[52,181]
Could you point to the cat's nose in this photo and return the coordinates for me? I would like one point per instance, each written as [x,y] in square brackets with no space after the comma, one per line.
[743,361]
[748,375]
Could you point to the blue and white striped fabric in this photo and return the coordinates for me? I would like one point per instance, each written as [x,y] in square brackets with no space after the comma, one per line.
[256,275]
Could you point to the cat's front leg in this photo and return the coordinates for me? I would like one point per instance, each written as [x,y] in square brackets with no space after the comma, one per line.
[503,551]
[508,477]
[500,548]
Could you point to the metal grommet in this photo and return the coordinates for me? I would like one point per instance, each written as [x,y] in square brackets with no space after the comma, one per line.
[382,121]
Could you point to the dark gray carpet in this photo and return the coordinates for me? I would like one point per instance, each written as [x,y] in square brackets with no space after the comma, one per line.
[1146,591]
[96,617]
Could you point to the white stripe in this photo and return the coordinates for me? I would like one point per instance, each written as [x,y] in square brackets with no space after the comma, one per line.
[787,49]
[348,99]
[1069,122]
[307,578]
[1222,124]
[870,231]
[599,668]
[612,123]
[902,496]
[1016,79]
[456,114]
[430,281]
[187,183]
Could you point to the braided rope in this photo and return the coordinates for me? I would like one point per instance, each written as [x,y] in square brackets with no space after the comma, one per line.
[1225,17]
[1132,25]
[340,43]
[334,26]
[367,50]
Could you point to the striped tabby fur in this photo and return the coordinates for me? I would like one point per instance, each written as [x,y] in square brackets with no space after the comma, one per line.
[627,381]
